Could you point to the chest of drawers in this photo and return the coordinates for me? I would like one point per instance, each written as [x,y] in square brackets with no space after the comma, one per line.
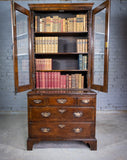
[61,116]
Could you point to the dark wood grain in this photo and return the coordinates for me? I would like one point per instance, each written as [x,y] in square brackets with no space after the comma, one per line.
[50,114]
[54,130]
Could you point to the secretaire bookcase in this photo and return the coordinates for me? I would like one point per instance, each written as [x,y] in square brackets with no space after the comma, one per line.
[60,52]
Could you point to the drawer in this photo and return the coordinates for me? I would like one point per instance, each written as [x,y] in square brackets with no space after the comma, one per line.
[74,114]
[61,101]
[36,101]
[62,130]
[86,101]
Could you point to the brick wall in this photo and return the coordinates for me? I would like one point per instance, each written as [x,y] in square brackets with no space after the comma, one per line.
[115,99]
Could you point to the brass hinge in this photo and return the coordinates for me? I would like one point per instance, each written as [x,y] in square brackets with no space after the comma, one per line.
[106,44]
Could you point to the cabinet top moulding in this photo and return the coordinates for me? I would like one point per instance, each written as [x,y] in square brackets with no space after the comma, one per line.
[61,7]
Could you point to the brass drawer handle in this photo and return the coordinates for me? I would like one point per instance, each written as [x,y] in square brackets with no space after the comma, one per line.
[78,114]
[62,110]
[61,125]
[62,100]
[77,130]
[45,130]
[37,101]
[45,114]
[85,101]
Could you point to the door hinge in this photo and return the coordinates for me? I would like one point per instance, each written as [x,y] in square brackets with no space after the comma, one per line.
[106,44]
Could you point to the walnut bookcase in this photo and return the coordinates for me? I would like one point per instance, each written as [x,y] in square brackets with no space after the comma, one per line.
[60,51]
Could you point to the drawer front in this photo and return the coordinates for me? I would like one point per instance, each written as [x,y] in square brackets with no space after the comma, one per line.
[62,114]
[61,101]
[86,101]
[36,101]
[62,130]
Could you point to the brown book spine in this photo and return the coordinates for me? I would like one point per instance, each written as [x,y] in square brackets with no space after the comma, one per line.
[76,80]
[73,80]
[80,81]
[82,86]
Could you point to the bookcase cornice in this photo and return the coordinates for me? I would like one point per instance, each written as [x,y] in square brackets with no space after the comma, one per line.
[61,6]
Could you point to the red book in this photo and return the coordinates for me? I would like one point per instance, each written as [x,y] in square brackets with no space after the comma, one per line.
[58,82]
[70,81]
[40,77]
[43,80]
[46,79]
[55,79]
[37,80]
[64,82]
[61,81]
[49,80]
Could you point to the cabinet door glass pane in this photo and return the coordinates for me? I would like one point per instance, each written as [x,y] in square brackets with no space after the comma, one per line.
[22,48]
[99,47]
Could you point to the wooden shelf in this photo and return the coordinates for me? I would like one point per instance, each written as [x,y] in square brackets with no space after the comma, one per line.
[66,53]
[60,33]
[62,70]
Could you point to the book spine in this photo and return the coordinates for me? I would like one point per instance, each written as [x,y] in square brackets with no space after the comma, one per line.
[73,80]
[70,81]
[37,80]
[80,62]
[67,80]
[80,81]
[76,80]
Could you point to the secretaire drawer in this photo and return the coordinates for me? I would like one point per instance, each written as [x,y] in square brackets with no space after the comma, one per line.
[86,101]
[73,114]
[36,101]
[62,130]
[61,101]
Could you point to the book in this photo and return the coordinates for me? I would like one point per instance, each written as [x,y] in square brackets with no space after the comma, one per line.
[37,23]
[80,62]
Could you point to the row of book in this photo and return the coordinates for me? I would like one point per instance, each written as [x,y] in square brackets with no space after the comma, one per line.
[50,45]
[82,45]
[55,80]
[58,24]
[46,44]
[83,62]
[44,64]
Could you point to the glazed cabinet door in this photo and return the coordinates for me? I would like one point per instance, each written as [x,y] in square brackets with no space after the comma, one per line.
[100,45]
[21,34]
